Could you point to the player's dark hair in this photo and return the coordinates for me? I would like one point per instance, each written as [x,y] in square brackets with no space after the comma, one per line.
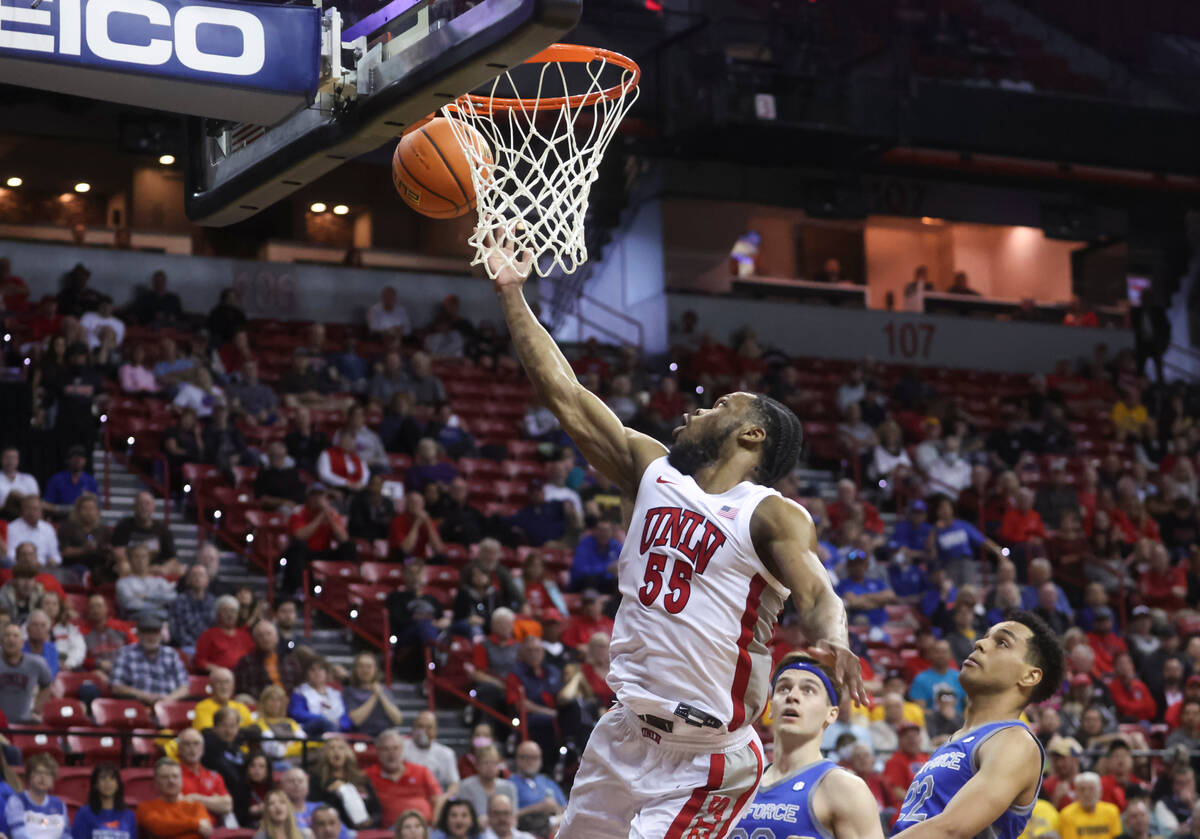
[1045,652]
[793,658]
[781,446]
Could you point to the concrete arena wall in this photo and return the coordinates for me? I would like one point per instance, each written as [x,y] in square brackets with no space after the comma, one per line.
[899,337]
[288,291]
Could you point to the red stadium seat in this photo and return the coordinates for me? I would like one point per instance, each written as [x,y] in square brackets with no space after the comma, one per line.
[146,745]
[139,785]
[64,713]
[244,833]
[73,782]
[199,687]
[175,715]
[32,744]
[364,752]
[121,713]
[67,683]
[378,573]
[95,745]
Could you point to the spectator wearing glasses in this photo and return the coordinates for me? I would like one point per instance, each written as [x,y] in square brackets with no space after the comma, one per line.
[35,813]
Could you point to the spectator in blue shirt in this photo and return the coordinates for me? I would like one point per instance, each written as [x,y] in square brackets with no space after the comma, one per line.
[595,562]
[941,593]
[542,682]
[538,797]
[427,469]
[38,627]
[64,487]
[865,597]
[1041,573]
[105,812]
[35,813]
[908,581]
[941,673]
[911,536]
[540,521]
[955,542]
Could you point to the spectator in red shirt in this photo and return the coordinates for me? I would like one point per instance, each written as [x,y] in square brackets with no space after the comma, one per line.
[400,785]
[1022,525]
[1132,698]
[1059,786]
[1119,766]
[225,644]
[906,761]
[667,401]
[1105,643]
[842,508]
[314,529]
[589,621]
[1163,586]
[1191,691]
[413,532]
[862,764]
[204,786]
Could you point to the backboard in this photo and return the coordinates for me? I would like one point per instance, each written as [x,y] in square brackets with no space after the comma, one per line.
[394,63]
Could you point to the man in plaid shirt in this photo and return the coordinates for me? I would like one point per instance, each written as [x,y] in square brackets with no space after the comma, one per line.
[148,671]
[193,611]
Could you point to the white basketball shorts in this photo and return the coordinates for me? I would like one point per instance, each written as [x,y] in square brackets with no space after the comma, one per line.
[638,782]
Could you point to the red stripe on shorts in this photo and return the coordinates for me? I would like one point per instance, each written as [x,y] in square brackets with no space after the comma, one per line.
[716,771]
[741,802]
[741,674]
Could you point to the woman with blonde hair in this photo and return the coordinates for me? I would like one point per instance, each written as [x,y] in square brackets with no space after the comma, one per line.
[68,640]
[411,825]
[279,819]
[337,781]
[272,718]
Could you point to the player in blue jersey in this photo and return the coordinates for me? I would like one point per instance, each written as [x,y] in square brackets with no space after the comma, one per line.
[984,780]
[800,794]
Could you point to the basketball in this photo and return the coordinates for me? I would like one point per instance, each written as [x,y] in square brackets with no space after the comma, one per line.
[432,173]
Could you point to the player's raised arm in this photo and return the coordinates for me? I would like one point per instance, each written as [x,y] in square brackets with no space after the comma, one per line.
[1010,767]
[619,453]
[786,541]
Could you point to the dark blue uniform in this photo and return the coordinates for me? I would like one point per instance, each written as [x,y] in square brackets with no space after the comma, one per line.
[785,808]
[947,771]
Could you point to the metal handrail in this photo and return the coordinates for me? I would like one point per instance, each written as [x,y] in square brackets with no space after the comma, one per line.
[433,683]
[163,487]
[127,736]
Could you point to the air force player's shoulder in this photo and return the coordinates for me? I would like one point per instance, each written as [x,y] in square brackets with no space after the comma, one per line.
[844,792]
[777,518]
[1010,748]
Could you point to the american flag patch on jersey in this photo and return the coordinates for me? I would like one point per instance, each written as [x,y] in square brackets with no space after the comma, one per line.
[728,512]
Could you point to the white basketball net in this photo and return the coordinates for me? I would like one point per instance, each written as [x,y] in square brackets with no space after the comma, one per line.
[534,195]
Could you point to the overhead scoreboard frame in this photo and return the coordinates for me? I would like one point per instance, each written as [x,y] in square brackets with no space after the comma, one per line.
[386,71]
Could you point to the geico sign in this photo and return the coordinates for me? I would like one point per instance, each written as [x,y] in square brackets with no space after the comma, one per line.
[110,35]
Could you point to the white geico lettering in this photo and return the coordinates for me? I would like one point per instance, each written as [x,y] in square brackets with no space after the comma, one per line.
[104,43]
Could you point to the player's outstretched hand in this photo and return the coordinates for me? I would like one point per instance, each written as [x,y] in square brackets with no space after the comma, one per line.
[846,668]
[506,269]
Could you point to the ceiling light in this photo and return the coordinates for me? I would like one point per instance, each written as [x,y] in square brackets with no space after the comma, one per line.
[83,186]
[14,181]
[317,207]
[66,198]
[166,159]
[340,210]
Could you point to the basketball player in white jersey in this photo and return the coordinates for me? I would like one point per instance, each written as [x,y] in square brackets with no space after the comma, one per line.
[711,554]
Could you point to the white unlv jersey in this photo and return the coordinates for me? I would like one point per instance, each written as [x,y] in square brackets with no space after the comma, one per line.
[698,607]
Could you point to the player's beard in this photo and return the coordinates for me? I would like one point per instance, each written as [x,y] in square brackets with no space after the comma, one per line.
[690,456]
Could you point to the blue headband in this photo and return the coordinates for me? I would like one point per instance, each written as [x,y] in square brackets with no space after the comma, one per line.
[809,667]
